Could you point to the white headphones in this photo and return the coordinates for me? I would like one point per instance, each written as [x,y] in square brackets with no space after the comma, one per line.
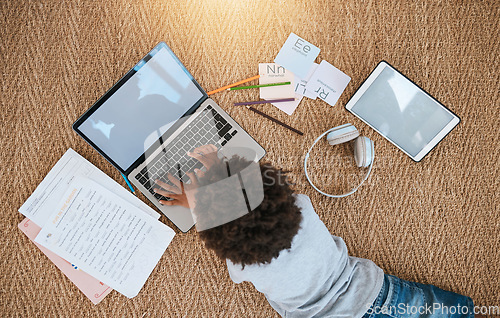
[364,152]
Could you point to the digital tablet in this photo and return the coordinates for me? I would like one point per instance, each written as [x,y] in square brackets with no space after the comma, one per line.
[401,111]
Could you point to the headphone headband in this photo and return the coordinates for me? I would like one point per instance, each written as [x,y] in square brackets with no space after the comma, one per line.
[354,189]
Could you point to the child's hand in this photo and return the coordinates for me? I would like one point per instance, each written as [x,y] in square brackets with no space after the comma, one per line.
[179,192]
[183,193]
[207,155]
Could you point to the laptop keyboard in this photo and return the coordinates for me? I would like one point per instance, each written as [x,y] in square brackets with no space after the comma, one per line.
[209,127]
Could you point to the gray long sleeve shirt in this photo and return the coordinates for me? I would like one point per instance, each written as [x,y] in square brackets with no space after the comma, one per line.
[316,277]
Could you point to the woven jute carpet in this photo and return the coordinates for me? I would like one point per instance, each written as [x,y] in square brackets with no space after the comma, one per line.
[436,221]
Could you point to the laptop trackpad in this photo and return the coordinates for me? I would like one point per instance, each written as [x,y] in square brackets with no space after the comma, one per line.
[179,215]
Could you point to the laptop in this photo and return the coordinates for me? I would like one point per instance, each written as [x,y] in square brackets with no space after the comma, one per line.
[148,121]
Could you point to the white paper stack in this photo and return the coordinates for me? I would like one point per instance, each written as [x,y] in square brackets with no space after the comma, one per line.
[88,219]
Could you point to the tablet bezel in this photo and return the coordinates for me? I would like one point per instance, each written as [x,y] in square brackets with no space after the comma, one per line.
[369,81]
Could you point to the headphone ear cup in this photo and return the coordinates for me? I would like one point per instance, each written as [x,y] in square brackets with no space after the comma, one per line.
[342,134]
[363,151]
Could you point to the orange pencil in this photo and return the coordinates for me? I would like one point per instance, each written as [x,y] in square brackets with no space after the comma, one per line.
[235,84]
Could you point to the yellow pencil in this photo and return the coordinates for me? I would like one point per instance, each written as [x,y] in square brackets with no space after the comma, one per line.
[235,84]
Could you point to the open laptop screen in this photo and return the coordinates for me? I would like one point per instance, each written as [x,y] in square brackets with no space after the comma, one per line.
[140,108]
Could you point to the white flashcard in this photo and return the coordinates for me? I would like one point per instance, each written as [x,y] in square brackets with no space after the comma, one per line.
[300,84]
[328,82]
[289,107]
[297,55]
[273,73]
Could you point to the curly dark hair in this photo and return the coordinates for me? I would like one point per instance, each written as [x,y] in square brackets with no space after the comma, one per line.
[260,235]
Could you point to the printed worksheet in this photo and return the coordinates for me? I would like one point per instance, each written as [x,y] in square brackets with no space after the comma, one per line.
[108,237]
[91,287]
[40,205]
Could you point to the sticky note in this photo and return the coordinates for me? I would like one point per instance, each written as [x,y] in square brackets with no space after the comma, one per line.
[328,82]
[297,55]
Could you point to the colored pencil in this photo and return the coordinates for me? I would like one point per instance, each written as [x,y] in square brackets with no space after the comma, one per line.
[235,84]
[269,101]
[275,120]
[257,86]
[128,183]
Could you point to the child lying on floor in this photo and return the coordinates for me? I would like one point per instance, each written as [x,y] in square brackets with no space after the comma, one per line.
[287,253]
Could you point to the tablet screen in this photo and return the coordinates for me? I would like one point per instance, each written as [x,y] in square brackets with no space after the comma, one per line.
[401,111]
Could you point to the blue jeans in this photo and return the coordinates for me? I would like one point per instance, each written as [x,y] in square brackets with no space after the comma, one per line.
[399,298]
